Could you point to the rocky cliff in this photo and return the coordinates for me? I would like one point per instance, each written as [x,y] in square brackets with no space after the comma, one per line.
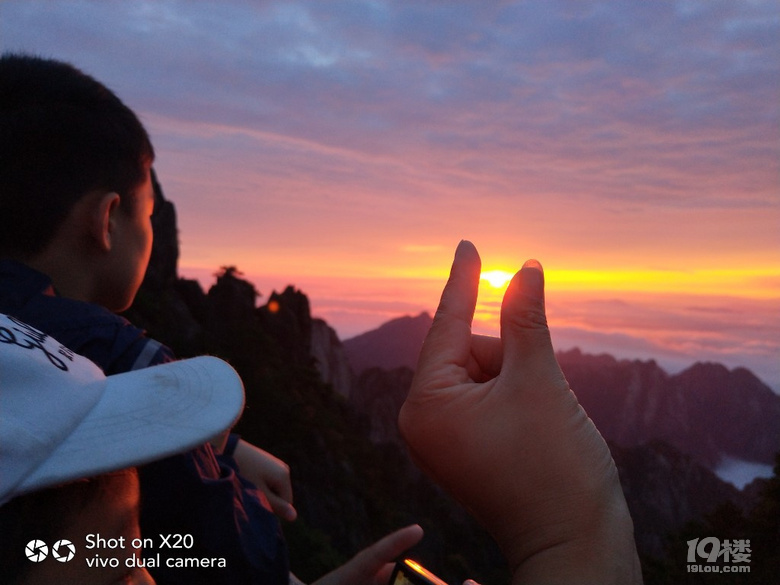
[330,358]
[706,411]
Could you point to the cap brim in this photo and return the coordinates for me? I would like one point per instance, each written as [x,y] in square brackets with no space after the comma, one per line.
[145,415]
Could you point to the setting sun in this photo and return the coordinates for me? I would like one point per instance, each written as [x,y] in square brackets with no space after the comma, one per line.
[497,278]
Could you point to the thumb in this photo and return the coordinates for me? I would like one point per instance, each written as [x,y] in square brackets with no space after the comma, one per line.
[528,350]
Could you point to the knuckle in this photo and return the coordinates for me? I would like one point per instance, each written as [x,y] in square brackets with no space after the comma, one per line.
[529,318]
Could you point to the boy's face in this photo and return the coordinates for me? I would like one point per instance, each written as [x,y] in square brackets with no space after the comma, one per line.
[132,247]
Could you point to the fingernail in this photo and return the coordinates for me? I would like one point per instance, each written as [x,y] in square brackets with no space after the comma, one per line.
[533,264]
[461,247]
[533,279]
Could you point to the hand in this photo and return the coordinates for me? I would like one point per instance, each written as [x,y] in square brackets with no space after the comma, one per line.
[373,565]
[494,422]
[270,475]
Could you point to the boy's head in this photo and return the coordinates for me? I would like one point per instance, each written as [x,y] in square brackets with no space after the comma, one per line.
[62,135]
[68,436]
[75,179]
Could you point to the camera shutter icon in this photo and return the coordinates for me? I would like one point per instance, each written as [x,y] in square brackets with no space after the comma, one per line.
[63,550]
[36,550]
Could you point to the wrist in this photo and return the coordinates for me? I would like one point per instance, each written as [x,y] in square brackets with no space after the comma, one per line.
[599,549]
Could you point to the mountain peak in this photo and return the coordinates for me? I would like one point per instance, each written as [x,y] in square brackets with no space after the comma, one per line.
[394,344]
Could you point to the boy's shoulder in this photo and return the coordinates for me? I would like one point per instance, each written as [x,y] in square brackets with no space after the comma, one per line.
[109,340]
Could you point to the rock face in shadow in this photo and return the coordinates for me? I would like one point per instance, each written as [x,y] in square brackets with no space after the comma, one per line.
[330,358]
[162,271]
[378,394]
[665,489]
[706,411]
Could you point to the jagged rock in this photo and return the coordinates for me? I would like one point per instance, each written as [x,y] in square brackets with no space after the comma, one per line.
[330,357]
[707,411]
[665,489]
[193,296]
[162,270]
[287,318]
[378,395]
[232,300]
[734,408]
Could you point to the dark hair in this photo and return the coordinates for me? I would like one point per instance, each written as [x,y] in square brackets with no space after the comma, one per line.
[48,515]
[62,135]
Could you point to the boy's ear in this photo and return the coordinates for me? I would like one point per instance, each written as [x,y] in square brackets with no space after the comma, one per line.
[103,219]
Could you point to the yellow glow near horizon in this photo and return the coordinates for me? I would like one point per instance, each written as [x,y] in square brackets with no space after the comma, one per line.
[761,282]
[758,284]
[747,282]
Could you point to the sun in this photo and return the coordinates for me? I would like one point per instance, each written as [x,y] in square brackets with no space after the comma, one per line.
[497,278]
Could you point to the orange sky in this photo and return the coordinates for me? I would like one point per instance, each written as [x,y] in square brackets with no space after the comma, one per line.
[346,148]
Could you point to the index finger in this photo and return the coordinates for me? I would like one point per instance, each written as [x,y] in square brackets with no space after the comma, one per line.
[371,564]
[449,339]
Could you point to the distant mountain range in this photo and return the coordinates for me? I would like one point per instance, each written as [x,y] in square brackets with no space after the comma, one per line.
[707,411]
[395,344]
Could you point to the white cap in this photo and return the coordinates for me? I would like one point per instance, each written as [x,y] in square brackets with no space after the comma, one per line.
[62,419]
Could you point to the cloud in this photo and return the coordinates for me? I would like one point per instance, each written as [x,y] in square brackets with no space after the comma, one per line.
[658,106]
[325,136]
[664,105]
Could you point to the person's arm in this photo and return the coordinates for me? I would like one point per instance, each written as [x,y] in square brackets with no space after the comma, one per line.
[270,475]
[494,422]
